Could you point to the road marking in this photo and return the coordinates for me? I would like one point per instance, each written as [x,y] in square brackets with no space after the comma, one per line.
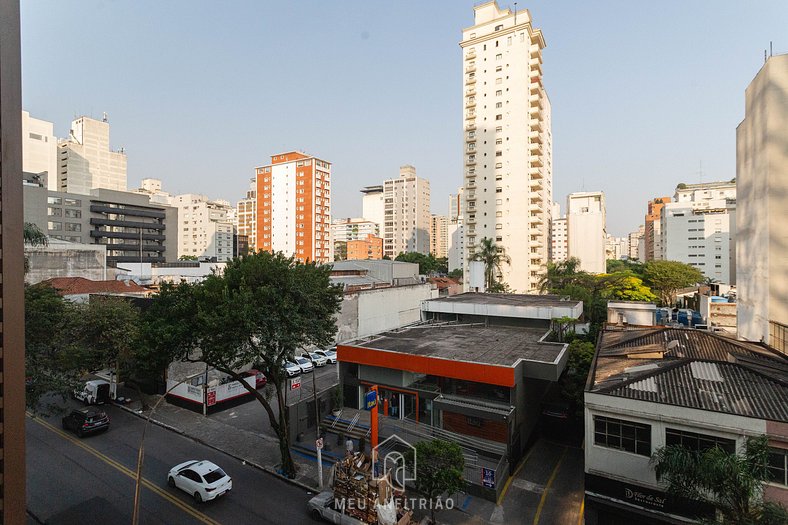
[127,471]
[582,508]
[547,487]
[514,475]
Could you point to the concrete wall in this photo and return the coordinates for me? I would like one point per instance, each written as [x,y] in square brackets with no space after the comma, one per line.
[66,260]
[762,189]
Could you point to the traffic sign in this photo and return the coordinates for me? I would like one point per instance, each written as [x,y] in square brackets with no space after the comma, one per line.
[295,383]
[319,443]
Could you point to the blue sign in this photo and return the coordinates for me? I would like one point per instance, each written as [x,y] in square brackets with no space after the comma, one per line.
[370,400]
[488,477]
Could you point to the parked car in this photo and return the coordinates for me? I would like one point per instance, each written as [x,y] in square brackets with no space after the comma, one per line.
[95,392]
[86,421]
[292,369]
[317,359]
[329,354]
[323,507]
[203,480]
[304,364]
[259,378]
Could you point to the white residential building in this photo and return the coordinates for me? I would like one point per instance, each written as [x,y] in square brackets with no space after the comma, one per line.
[86,160]
[39,149]
[559,247]
[762,183]
[616,248]
[152,188]
[455,231]
[407,220]
[372,207]
[507,142]
[586,233]
[635,239]
[439,236]
[246,215]
[353,229]
[699,228]
[204,229]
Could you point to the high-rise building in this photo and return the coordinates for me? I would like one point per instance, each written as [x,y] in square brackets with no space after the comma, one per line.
[12,315]
[455,232]
[368,247]
[455,205]
[204,227]
[352,229]
[246,216]
[406,223]
[294,207]
[86,160]
[635,238]
[762,201]
[372,207]
[559,247]
[152,188]
[39,149]
[585,226]
[439,236]
[616,248]
[652,234]
[507,142]
[699,228]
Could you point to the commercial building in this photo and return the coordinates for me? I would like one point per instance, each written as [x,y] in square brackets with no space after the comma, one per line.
[12,315]
[585,229]
[205,229]
[407,219]
[474,371]
[762,187]
[372,206]
[652,233]
[439,236]
[635,239]
[699,228]
[507,142]
[370,247]
[294,207]
[246,216]
[130,227]
[559,241]
[39,149]
[86,160]
[656,386]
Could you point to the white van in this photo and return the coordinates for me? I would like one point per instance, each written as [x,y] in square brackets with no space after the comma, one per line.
[95,392]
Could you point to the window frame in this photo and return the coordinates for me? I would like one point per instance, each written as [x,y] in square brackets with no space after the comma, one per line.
[641,441]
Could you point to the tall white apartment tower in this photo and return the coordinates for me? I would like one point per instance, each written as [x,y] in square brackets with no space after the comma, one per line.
[407,219]
[39,148]
[204,228]
[558,238]
[455,231]
[86,160]
[507,142]
[439,236]
[585,224]
[372,205]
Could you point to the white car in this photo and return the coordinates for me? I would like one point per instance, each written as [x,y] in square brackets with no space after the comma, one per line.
[304,364]
[202,480]
[317,359]
[329,354]
[291,369]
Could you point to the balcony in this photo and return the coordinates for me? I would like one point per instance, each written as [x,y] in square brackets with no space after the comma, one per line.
[470,126]
[470,102]
[535,112]
[535,124]
[470,55]
[470,161]
[470,184]
[470,220]
[536,66]
[535,136]
[470,92]
[470,80]
[536,101]
[470,115]
[536,161]
[536,148]
[470,69]
[535,52]
[534,207]
[470,151]
[535,185]
[536,196]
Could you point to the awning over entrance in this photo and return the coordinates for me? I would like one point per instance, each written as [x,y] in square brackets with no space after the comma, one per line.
[474,407]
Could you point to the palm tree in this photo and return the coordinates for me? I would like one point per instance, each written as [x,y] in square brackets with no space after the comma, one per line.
[493,258]
[732,483]
[33,236]
[559,275]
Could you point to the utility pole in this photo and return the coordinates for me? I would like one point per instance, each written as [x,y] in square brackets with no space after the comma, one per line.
[317,423]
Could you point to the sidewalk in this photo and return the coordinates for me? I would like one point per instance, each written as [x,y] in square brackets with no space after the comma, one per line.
[262,451]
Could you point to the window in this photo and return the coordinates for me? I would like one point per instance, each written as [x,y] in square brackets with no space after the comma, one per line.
[54,212]
[54,226]
[72,202]
[74,214]
[778,466]
[499,93]
[73,227]
[54,200]
[622,435]
[498,117]
[498,105]
[698,442]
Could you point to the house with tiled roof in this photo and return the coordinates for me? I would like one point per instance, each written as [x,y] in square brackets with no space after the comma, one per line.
[656,386]
[79,289]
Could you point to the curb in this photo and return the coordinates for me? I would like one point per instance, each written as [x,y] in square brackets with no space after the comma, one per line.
[269,470]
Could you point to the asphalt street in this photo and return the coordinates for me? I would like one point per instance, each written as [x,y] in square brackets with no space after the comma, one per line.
[73,480]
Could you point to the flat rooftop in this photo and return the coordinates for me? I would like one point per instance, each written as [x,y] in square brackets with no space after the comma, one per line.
[507,299]
[470,343]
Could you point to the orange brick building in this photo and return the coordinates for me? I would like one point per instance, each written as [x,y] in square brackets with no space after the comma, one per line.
[369,248]
[294,207]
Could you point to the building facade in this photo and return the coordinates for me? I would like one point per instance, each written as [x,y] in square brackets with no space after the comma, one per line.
[205,229]
[86,160]
[652,232]
[635,238]
[353,229]
[455,232]
[372,206]
[616,248]
[585,229]
[407,218]
[370,247]
[559,247]
[246,216]
[762,184]
[507,142]
[294,207]
[439,236]
[699,228]
[39,149]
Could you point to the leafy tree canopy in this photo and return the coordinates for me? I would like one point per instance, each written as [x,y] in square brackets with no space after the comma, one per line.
[439,470]
[665,278]
[493,258]
[428,264]
[581,354]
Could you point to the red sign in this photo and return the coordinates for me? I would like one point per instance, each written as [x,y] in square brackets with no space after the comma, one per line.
[211,398]
[295,383]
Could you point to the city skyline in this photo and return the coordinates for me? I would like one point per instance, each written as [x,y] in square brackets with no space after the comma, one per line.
[667,111]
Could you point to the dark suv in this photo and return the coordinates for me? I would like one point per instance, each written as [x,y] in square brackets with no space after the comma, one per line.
[86,421]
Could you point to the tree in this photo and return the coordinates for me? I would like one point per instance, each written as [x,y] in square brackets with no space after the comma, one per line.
[456,273]
[262,309]
[732,483]
[439,470]
[573,382]
[561,327]
[33,236]
[559,275]
[626,287]
[187,258]
[428,264]
[667,277]
[625,265]
[493,258]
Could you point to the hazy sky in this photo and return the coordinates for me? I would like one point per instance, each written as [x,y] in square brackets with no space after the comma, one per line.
[199,93]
